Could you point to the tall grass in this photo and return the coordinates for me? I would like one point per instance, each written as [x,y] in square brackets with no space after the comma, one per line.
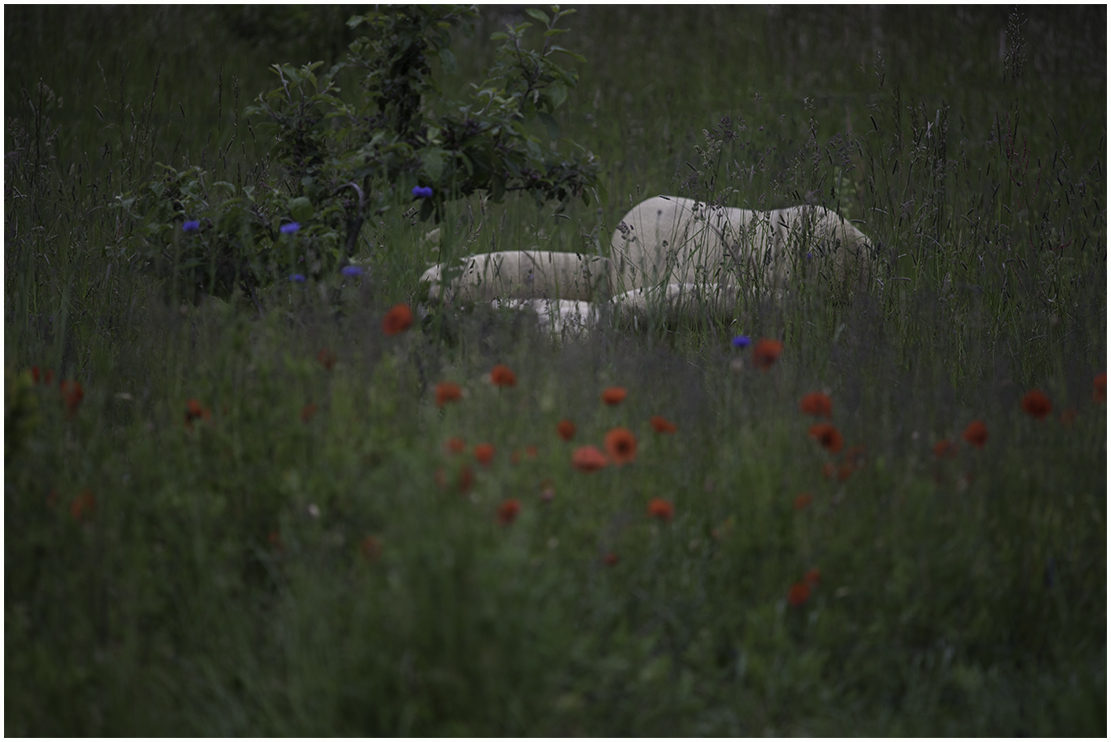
[271,568]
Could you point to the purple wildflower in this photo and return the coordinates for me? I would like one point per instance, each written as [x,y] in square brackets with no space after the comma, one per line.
[422,192]
[741,341]
[191,226]
[290,228]
[352,270]
[297,278]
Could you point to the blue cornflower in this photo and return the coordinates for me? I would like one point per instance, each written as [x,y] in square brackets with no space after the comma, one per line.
[297,278]
[422,192]
[809,255]
[290,228]
[191,226]
[741,341]
[352,270]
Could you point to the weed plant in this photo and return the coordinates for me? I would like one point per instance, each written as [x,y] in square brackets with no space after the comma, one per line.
[279,517]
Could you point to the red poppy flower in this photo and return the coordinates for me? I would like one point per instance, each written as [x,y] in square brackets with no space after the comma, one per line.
[500,375]
[371,548]
[588,459]
[610,559]
[803,500]
[614,395]
[83,506]
[1099,388]
[464,479]
[72,393]
[566,429]
[327,358]
[798,594]
[662,424]
[307,412]
[844,471]
[397,320]
[447,391]
[1036,404]
[507,511]
[455,445]
[484,453]
[817,404]
[621,445]
[945,449]
[660,508]
[812,577]
[1068,417]
[976,434]
[47,377]
[827,435]
[194,410]
[765,353]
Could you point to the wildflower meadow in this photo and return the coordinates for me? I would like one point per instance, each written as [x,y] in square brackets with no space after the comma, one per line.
[257,482]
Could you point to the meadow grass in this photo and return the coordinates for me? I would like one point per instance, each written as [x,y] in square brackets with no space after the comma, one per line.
[299,553]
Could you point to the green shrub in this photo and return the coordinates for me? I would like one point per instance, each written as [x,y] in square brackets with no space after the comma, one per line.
[344,153]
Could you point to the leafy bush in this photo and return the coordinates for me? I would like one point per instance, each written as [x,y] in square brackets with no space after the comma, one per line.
[344,156]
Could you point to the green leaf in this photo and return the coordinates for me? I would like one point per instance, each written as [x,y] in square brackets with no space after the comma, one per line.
[467,164]
[551,124]
[557,93]
[539,15]
[568,52]
[426,209]
[433,161]
[300,209]
[356,20]
[447,59]
[497,189]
